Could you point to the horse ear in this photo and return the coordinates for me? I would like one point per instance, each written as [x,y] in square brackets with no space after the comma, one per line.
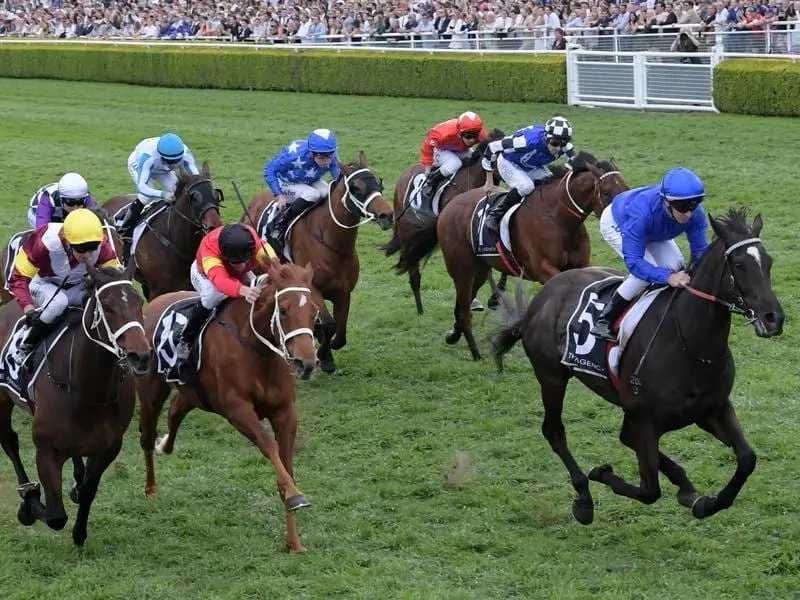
[309,273]
[758,223]
[205,170]
[362,160]
[596,171]
[718,230]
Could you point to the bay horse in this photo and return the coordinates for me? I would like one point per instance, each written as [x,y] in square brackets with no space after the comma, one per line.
[169,242]
[685,377]
[406,221]
[84,404]
[326,238]
[548,235]
[250,357]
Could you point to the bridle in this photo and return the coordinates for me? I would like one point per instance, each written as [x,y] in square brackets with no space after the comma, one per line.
[581,212]
[362,206]
[98,317]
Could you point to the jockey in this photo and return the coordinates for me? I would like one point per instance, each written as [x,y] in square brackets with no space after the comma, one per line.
[446,145]
[51,203]
[224,259]
[155,159]
[641,225]
[48,271]
[522,158]
[294,176]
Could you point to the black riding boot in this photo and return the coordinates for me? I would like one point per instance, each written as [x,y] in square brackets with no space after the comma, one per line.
[287,215]
[603,328]
[191,330]
[498,209]
[125,230]
[37,330]
[432,181]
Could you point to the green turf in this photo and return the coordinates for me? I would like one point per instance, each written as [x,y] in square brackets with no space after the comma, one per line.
[378,438]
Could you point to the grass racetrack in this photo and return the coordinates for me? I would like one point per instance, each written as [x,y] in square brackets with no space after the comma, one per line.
[378,437]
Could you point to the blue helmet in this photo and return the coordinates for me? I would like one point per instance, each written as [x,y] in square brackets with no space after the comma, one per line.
[322,141]
[170,148]
[682,185]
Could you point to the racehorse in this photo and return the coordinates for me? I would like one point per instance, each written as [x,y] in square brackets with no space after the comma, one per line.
[548,235]
[406,220]
[677,368]
[84,404]
[325,237]
[108,226]
[178,229]
[250,357]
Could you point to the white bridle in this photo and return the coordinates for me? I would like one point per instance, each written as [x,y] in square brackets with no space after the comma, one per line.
[275,325]
[362,206]
[583,212]
[99,318]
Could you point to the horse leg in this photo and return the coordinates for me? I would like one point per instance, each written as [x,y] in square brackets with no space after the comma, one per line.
[284,424]
[494,299]
[414,280]
[324,331]
[463,316]
[480,278]
[724,425]
[50,465]
[78,474]
[245,419]
[31,507]
[645,442]
[95,467]
[341,311]
[153,392]
[553,384]
[178,410]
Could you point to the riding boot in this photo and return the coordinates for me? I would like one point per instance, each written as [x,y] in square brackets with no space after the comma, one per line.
[604,327]
[287,215]
[498,209]
[432,181]
[37,331]
[191,330]
[125,230]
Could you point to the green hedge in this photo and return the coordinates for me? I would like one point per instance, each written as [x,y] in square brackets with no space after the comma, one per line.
[418,74]
[758,87]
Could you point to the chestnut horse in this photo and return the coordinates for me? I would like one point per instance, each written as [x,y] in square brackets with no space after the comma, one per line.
[169,242]
[470,176]
[676,369]
[84,399]
[326,236]
[251,355]
[548,235]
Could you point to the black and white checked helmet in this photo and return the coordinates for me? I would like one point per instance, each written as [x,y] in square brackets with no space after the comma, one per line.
[559,128]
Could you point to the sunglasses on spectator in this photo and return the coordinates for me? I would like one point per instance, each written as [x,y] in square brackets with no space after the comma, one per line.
[87,247]
[684,206]
[322,154]
[73,201]
[470,135]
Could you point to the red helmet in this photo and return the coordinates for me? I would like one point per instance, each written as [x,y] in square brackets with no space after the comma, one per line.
[469,121]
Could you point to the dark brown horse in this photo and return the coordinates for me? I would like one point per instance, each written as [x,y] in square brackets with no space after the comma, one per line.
[169,242]
[685,377]
[547,232]
[406,220]
[251,355]
[84,404]
[326,238]
[108,226]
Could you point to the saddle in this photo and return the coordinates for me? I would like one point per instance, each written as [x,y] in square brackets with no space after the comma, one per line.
[489,243]
[138,227]
[267,221]
[414,199]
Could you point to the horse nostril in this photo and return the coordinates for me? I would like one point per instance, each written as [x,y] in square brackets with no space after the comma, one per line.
[770,318]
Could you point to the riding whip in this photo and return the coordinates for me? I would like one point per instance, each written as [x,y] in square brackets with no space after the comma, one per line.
[635,376]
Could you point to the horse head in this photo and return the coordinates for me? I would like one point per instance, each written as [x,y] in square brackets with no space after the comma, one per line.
[361,192]
[198,200]
[745,281]
[286,311]
[610,181]
[112,315]
[593,193]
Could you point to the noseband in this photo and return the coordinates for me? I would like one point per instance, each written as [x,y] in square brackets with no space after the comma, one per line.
[362,206]
[99,318]
[276,327]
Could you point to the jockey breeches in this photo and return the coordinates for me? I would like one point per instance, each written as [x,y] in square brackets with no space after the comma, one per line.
[449,161]
[210,296]
[168,181]
[308,192]
[42,291]
[662,254]
[520,178]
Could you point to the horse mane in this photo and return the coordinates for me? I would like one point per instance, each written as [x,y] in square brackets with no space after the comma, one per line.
[736,220]
[477,153]
[582,159]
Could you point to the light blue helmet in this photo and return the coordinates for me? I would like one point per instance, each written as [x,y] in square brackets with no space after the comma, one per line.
[322,141]
[682,185]
[170,148]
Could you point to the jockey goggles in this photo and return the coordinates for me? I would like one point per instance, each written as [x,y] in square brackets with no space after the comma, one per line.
[73,201]
[470,135]
[557,142]
[684,206]
[86,247]
[322,154]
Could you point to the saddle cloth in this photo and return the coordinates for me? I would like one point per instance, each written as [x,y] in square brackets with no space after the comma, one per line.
[588,354]
[21,379]
[413,197]
[14,244]
[484,242]
[150,212]
[266,221]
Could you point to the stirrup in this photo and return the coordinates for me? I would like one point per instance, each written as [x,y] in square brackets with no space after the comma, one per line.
[604,331]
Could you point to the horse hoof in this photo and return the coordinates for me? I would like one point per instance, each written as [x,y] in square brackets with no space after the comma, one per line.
[150,491]
[24,515]
[79,537]
[299,549]
[336,344]
[600,473]
[476,306]
[704,506]
[57,524]
[583,511]
[73,494]
[452,337]
[475,355]
[493,302]
[688,499]
[161,445]
[296,502]
[327,366]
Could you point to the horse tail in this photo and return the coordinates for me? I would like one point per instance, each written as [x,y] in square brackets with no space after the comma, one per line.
[393,245]
[513,317]
[419,245]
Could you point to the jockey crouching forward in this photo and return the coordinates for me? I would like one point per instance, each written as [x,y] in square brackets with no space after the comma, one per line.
[48,272]
[155,159]
[641,225]
[446,146]
[53,202]
[294,176]
[522,159]
[224,260]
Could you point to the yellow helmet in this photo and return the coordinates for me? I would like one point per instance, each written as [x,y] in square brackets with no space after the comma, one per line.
[82,226]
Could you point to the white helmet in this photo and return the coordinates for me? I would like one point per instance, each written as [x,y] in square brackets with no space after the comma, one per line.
[73,186]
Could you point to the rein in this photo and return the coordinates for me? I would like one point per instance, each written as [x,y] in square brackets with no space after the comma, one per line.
[581,213]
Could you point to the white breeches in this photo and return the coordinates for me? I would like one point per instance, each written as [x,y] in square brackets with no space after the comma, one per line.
[517,177]
[310,193]
[662,254]
[168,181]
[210,296]
[42,291]
[449,161]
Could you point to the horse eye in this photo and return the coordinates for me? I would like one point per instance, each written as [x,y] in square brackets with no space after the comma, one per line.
[282,311]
